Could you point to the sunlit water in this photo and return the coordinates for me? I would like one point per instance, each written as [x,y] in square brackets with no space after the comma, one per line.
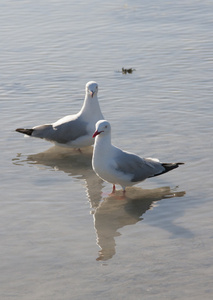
[61,235]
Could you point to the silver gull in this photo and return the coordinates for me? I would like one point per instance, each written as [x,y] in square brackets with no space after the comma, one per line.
[120,167]
[73,130]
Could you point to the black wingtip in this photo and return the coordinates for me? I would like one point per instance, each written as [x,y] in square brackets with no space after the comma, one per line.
[171,166]
[25,131]
[168,167]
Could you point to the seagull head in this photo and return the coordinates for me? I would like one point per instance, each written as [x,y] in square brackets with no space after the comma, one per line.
[91,88]
[102,127]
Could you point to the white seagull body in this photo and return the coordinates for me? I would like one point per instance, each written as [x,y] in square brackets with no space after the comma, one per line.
[120,167]
[73,130]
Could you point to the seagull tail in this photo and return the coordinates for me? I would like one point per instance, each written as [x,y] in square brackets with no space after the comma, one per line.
[25,131]
[169,166]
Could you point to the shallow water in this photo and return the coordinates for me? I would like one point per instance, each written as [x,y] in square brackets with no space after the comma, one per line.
[62,235]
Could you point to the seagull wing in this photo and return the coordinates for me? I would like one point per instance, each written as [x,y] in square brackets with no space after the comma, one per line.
[63,131]
[138,168]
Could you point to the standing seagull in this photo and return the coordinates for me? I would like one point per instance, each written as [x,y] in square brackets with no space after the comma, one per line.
[73,130]
[119,167]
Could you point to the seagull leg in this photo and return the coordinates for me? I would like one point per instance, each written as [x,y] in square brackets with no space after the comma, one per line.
[113,191]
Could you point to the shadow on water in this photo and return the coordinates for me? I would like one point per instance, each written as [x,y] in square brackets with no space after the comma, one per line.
[73,162]
[113,214]
[109,213]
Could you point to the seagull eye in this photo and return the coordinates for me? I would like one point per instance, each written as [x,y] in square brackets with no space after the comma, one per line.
[106,126]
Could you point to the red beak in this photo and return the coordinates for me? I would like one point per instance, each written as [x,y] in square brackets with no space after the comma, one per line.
[91,94]
[96,133]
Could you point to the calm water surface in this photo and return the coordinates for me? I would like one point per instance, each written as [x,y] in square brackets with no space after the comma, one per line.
[62,236]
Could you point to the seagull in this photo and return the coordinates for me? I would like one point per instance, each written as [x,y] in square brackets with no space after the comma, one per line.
[73,130]
[120,167]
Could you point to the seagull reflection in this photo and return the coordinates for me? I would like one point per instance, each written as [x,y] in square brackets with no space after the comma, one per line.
[113,214]
[75,163]
[109,214]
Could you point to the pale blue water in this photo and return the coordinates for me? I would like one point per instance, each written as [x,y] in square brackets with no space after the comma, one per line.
[61,236]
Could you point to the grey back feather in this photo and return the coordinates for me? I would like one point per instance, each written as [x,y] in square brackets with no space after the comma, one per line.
[63,133]
[140,168]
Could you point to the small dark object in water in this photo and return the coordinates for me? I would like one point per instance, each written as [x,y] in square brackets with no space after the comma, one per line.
[124,71]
